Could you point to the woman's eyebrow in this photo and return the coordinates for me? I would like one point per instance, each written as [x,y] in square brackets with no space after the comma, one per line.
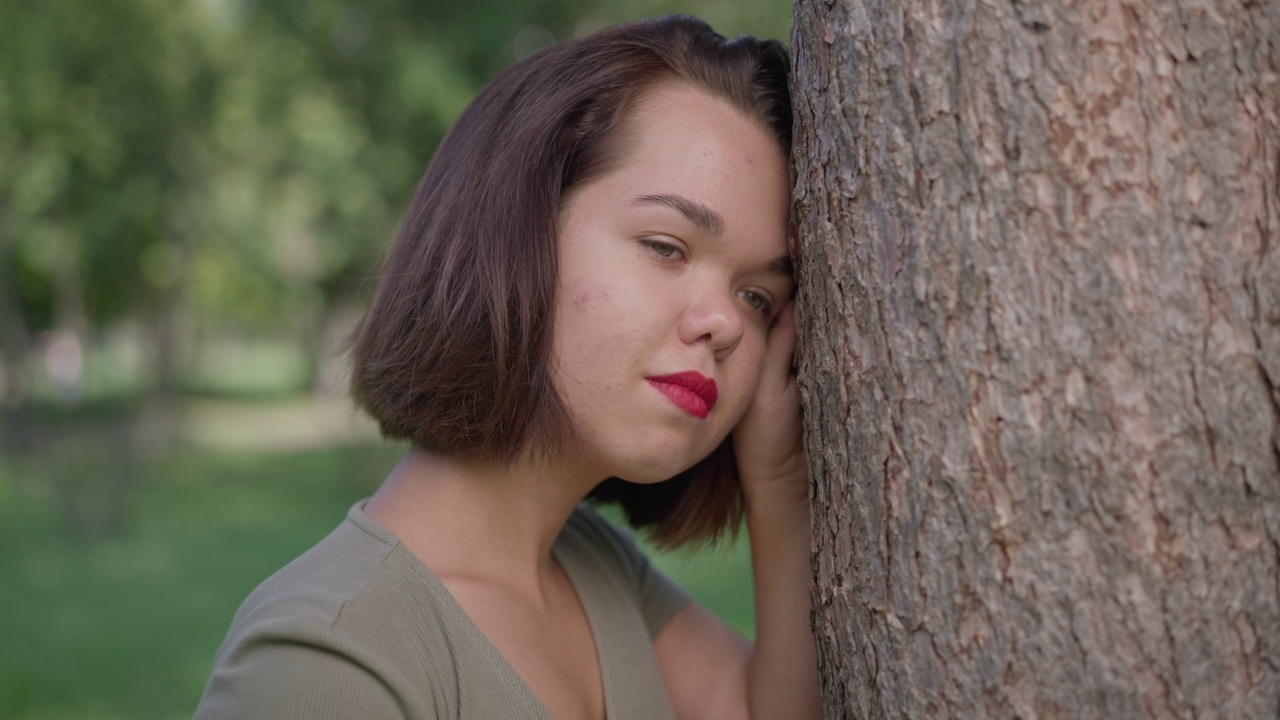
[781,265]
[708,220]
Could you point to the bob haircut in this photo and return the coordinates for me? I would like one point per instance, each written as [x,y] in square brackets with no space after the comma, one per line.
[455,351]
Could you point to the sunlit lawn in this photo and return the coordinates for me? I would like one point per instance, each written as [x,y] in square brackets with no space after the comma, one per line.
[123,622]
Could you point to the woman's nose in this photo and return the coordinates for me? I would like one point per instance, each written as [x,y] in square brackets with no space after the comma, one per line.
[713,318]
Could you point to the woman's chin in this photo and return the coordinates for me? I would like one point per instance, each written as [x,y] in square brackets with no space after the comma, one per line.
[647,479]
[647,471]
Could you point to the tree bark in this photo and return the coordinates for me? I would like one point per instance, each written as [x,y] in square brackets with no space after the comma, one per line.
[1039,251]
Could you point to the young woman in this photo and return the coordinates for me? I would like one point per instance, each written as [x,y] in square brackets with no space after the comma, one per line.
[590,295]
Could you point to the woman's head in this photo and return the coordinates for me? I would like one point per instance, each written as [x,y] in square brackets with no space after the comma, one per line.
[457,353]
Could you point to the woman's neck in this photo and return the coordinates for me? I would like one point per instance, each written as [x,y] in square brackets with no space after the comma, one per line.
[480,521]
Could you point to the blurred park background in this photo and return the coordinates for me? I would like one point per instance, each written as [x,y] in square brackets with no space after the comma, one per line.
[195,196]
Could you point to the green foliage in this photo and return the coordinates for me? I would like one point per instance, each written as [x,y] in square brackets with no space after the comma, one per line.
[86,125]
[239,166]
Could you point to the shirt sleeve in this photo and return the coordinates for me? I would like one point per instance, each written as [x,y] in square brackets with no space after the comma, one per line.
[294,677]
[659,598]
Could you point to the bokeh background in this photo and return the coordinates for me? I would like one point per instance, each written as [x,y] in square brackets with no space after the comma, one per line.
[195,196]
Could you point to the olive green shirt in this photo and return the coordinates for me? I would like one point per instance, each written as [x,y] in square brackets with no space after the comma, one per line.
[358,627]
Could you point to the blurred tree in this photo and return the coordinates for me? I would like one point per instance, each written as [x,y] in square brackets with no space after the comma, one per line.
[237,167]
[92,101]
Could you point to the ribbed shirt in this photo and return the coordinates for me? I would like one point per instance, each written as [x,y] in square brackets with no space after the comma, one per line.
[359,627]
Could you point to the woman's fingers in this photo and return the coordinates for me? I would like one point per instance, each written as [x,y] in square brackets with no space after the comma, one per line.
[781,344]
[768,439]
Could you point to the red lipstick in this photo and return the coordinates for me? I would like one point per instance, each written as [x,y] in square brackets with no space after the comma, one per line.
[691,391]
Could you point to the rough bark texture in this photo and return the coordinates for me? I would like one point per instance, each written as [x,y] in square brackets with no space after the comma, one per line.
[1040,309]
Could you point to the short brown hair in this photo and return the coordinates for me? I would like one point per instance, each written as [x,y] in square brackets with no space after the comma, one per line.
[454,353]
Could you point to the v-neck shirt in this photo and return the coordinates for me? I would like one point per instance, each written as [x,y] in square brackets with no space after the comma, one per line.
[359,627]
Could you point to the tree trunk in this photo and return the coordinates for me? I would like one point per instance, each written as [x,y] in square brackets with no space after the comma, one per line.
[1040,316]
[15,345]
[15,341]
[171,326]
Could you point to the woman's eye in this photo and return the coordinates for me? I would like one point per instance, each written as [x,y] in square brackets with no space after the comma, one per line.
[758,302]
[664,250]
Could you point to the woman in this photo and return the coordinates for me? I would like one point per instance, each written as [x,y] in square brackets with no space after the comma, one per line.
[590,295]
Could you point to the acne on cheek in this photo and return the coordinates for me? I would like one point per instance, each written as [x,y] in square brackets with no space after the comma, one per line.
[588,304]
[589,296]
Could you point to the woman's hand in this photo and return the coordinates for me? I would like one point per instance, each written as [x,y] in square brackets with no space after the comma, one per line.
[768,443]
[782,674]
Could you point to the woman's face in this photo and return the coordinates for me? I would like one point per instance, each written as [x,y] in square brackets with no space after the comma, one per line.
[672,268]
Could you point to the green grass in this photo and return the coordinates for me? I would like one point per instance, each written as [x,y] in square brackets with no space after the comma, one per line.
[120,619]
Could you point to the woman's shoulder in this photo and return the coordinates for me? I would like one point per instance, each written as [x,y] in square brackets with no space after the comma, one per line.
[350,562]
[338,616]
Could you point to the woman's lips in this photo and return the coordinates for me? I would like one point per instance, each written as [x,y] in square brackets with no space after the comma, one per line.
[691,391]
